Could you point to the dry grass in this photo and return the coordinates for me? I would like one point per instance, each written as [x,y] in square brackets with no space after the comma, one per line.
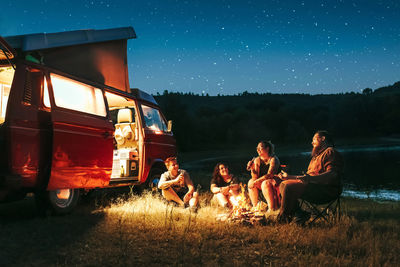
[144,230]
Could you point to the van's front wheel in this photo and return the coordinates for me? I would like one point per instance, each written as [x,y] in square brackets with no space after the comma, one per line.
[58,202]
[151,184]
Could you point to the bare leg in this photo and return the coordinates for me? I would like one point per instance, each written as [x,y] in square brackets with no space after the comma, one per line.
[222,199]
[232,197]
[253,193]
[171,195]
[194,201]
[269,194]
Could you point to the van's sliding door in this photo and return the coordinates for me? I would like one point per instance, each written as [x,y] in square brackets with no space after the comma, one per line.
[82,135]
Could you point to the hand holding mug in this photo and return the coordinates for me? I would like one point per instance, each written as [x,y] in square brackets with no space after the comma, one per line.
[250,164]
[282,175]
[180,179]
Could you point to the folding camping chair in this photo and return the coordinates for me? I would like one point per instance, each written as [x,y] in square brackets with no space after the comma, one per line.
[324,208]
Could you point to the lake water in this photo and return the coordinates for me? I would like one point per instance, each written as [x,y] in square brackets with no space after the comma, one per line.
[370,172]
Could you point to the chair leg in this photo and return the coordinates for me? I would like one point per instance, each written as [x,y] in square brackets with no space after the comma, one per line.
[336,210]
[324,212]
[318,213]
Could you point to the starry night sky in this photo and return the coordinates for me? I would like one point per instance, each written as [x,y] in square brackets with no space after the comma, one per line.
[227,47]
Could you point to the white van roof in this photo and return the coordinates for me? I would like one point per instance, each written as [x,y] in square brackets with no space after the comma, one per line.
[95,55]
[39,41]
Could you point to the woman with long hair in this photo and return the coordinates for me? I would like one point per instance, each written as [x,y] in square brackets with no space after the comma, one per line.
[224,185]
[263,176]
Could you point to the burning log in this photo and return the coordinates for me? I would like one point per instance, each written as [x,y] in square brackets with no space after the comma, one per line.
[243,212]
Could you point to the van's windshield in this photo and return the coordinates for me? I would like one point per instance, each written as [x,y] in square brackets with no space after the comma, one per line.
[153,119]
[6,78]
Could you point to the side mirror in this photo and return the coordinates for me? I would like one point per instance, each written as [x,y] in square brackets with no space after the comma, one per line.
[169,126]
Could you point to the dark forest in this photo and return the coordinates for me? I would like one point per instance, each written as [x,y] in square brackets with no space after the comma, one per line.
[210,122]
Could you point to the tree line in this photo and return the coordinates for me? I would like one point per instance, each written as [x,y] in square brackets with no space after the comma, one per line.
[209,122]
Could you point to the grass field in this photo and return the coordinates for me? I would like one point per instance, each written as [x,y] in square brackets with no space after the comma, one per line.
[143,230]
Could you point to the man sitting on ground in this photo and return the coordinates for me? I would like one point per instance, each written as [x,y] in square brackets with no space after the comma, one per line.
[322,179]
[177,186]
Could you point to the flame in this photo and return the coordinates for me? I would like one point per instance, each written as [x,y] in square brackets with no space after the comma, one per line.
[242,209]
[240,203]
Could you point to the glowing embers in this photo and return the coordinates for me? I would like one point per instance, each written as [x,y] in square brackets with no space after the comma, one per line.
[243,212]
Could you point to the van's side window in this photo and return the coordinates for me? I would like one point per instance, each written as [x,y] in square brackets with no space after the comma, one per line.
[46,97]
[78,96]
[6,77]
[153,119]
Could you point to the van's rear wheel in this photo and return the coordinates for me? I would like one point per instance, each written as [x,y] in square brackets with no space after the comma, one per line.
[58,202]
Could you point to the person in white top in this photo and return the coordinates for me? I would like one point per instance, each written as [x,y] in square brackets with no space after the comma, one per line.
[177,186]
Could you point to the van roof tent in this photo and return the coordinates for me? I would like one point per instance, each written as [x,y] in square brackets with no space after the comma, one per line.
[95,55]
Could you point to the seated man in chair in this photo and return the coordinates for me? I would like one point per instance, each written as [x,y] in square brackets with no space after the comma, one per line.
[177,186]
[322,180]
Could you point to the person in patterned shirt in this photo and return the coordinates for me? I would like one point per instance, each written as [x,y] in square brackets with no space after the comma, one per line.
[322,180]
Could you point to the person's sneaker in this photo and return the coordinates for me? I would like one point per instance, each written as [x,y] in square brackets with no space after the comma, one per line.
[301,217]
[272,214]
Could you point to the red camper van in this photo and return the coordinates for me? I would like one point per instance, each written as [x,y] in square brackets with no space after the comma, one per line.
[69,120]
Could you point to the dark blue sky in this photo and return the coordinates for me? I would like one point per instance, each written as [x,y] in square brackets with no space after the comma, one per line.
[227,47]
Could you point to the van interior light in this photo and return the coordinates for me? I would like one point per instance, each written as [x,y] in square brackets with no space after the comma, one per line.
[78,96]
[117,102]
[46,97]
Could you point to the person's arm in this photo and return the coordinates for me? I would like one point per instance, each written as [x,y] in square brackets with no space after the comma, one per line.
[189,183]
[254,168]
[285,176]
[223,189]
[215,189]
[328,177]
[164,184]
[190,187]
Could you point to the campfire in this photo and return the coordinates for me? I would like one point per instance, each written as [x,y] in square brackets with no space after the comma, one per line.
[243,212]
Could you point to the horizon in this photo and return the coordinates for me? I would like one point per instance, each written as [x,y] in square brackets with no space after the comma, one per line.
[267,93]
[229,47]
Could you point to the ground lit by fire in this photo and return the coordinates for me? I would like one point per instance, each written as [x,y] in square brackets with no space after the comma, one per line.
[144,230]
[149,205]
